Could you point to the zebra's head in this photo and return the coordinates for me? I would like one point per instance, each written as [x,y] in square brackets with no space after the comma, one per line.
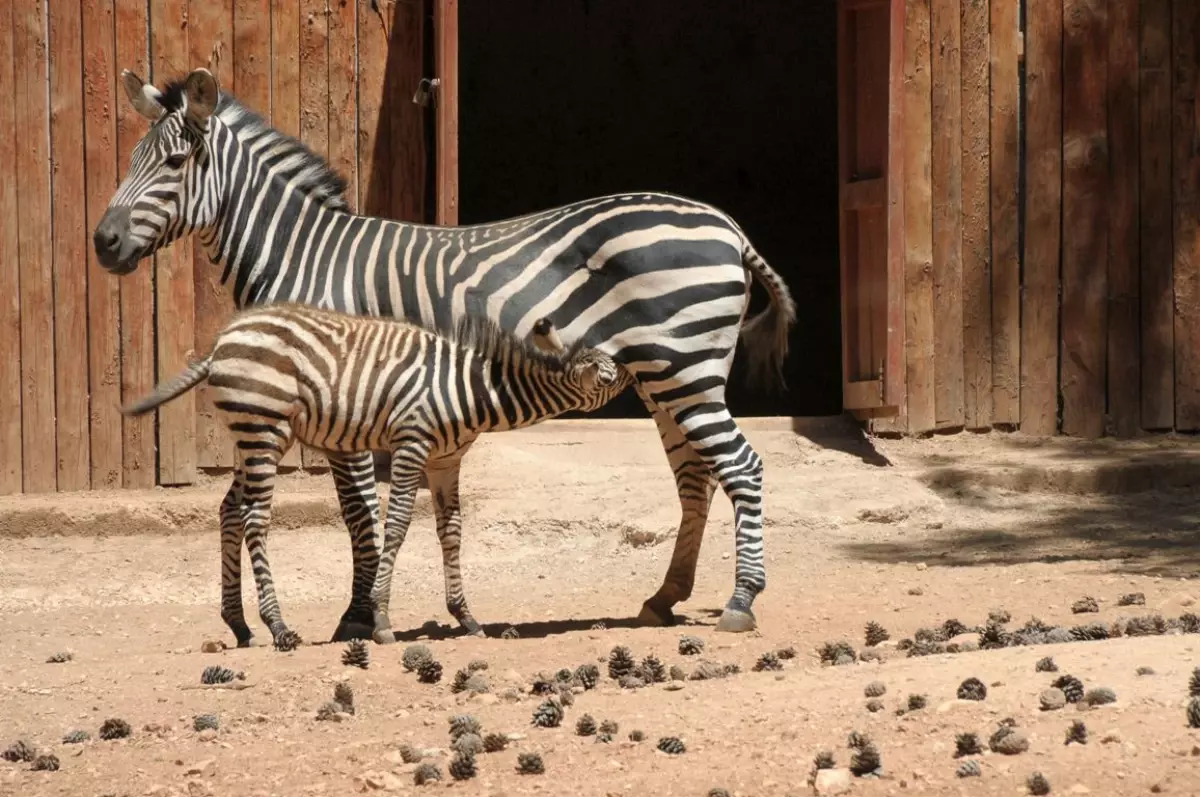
[166,193]
[598,377]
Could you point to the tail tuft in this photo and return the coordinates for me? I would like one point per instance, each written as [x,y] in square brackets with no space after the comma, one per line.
[196,373]
[766,335]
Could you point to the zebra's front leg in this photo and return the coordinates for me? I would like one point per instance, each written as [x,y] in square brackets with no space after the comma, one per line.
[354,476]
[443,484]
[233,531]
[408,462]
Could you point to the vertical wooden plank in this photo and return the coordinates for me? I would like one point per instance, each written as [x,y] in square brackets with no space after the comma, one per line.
[174,282]
[405,158]
[1005,242]
[10,270]
[137,289]
[445,24]
[210,44]
[895,376]
[1043,203]
[918,220]
[374,129]
[947,212]
[251,57]
[70,259]
[34,246]
[285,66]
[1155,219]
[976,221]
[343,95]
[1186,167]
[103,290]
[1124,371]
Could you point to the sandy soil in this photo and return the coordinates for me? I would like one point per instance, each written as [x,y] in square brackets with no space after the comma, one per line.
[907,533]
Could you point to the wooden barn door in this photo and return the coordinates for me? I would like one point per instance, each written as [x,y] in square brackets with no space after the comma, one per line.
[870,81]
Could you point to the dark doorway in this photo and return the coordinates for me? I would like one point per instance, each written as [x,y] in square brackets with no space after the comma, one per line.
[731,102]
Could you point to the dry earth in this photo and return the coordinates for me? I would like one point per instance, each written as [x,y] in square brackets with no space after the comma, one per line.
[570,525]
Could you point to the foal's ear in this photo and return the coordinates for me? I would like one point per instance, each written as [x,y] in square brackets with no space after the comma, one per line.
[202,92]
[144,98]
[589,377]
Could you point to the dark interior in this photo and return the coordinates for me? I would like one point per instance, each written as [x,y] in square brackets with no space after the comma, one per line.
[730,102]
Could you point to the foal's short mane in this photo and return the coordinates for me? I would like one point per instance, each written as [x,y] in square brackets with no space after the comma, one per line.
[489,338]
[308,172]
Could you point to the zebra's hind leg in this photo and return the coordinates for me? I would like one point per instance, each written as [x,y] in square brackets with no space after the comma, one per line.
[233,531]
[354,476]
[408,463]
[696,485]
[443,485]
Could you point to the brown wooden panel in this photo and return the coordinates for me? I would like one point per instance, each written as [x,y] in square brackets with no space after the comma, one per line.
[70,259]
[343,95]
[1005,175]
[446,32]
[976,219]
[103,289]
[34,246]
[1155,218]
[10,271]
[174,282]
[374,130]
[251,60]
[945,63]
[1043,203]
[137,289]
[210,42]
[1124,372]
[1085,216]
[1186,167]
[918,225]
[864,194]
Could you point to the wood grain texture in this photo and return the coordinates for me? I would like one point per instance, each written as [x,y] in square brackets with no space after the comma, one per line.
[406,159]
[1186,205]
[1156,223]
[1124,346]
[1005,208]
[285,66]
[343,95]
[34,236]
[69,242]
[251,58]
[445,24]
[1043,218]
[374,130]
[976,218]
[11,471]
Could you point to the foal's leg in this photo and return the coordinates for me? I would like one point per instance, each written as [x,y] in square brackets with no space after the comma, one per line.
[408,462]
[354,475]
[443,485]
[233,531]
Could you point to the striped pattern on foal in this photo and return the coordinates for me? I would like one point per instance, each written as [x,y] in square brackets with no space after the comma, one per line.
[345,384]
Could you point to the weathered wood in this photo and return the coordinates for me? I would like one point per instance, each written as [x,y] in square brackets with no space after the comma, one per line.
[1155,218]
[1005,199]
[1124,372]
[10,271]
[1085,217]
[343,95]
[1043,204]
[34,237]
[251,56]
[69,241]
[445,24]
[976,220]
[918,225]
[174,281]
[405,158]
[1186,203]
[285,66]
[374,130]
[945,23]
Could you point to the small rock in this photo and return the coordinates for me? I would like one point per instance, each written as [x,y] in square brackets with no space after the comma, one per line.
[200,767]
[1011,743]
[1079,788]
[916,591]
[207,735]
[1157,788]
[922,566]
[212,646]
[672,686]
[1052,699]
[199,788]
[832,781]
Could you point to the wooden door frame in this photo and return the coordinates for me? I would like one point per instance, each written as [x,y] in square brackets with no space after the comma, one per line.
[445,23]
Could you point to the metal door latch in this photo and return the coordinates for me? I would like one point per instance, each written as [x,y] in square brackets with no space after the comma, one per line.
[426,90]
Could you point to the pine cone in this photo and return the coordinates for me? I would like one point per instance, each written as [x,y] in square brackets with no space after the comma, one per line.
[856,740]
[1132,599]
[610,727]
[1045,664]
[204,722]
[287,641]
[865,759]
[1147,671]
[719,793]
[478,684]
[494,742]
[823,760]
[76,737]
[543,685]
[1193,713]
[356,654]
[604,738]
[47,762]
[874,706]
[831,652]
[875,689]
[510,633]
[468,744]
[114,728]
[548,715]
[967,744]
[477,665]
[1085,605]
[786,654]
[462,724]
[707,671]
[215,674]
[768,662]
[620,662]
[414,656]
[875,633]
[1099,696]
[332,710]
[410,754]
[1194,683]
[993,636]
[1189,623]
[1090,632]
[925,648]
[972,689]
[427,773]
[60,658]
[1037,784]
[1008,740]
[732,669]
[20,750]
[652,670]
[917,702]
[677,673]
[588,675]
[586,726]
[1071,686]
[1150,625]
[344,693]
[565,695]
[430,672]
[462,767]
[530,764]
[460,681]
[691,646]
[1077,733]
[631,682]
[564,676]
[969,769]
[636,736]
[999,616]
[952,628]
[672,745]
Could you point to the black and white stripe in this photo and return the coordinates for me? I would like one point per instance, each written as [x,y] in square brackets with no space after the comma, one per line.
[659,282]
[346,384]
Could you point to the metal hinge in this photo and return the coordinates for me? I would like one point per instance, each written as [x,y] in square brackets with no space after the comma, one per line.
[426,90]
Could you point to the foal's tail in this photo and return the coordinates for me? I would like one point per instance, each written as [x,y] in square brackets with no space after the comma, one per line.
[196,373]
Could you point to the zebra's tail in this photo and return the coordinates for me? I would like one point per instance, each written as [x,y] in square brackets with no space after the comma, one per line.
[766,335]
[196,373]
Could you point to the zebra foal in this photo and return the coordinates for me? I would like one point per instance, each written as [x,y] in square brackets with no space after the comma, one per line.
[344,384]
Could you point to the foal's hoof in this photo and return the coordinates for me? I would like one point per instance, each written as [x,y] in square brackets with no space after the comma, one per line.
[734,621]
[656,618]
[350,629]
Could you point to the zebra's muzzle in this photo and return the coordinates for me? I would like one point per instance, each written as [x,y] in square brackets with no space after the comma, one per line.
[115,247]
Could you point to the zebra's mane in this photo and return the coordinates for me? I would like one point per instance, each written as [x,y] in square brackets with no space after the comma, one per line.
[492,340]
[307,171]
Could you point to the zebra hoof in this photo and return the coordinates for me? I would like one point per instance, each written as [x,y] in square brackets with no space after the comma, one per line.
[348,630]
[734,621]
[657,618]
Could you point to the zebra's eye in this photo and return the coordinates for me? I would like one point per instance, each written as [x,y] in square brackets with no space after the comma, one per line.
[176,161]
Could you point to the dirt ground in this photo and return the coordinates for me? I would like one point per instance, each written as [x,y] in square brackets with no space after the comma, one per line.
[571,524]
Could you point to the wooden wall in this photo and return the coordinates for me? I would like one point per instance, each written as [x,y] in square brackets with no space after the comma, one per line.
[74,340]
[1054,289]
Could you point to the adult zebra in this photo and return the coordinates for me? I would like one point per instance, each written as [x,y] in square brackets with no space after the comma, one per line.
[659,282]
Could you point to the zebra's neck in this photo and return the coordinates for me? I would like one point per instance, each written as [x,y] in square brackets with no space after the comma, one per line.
[525,391]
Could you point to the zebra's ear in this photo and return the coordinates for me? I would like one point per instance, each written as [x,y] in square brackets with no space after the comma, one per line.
[201,91]
[142,96]
[589,377]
